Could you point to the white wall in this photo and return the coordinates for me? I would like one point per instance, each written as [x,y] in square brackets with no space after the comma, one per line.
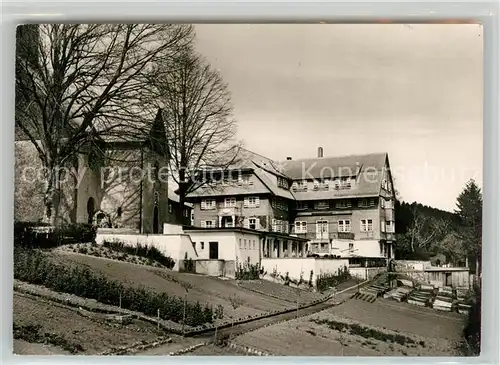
[172,229]
[409,265]
[176,246]
[365,248]
[365,273]
[229,247]
[297,266]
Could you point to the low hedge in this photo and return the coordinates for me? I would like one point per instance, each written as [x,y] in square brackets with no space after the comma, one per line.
[247,271]
[365,332]
[33,334]
[327,280]
[149,252]
[26,234]
[33,266]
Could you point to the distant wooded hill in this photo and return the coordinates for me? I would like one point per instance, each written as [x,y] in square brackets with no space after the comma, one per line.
[405,214]
[427,233]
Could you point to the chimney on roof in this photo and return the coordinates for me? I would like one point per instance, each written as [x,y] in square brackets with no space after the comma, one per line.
[289,159]
[320,152]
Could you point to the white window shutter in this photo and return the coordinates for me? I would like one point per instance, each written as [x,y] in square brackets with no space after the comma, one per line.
[257,201]
[203,225]
[246,202]
[246,223]
[213,223]
[203,204]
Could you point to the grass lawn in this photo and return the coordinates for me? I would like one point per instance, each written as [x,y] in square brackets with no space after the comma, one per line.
[257,297]
[368,330]
[404,317]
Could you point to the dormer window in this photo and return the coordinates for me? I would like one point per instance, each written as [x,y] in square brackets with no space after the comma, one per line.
[342,204]
[282,182]
[322,204]
[301,206]
[366,203]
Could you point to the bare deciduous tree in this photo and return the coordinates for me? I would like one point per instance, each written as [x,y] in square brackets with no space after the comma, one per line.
[424,231]
[78,82]
[198,114]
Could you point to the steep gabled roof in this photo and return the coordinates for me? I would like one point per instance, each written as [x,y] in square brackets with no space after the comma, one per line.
[331,167]
[173,196]
[368,170]
[266,170]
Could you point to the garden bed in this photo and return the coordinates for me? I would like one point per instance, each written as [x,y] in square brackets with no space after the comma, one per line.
[44,323]
[102,251]
[326,334]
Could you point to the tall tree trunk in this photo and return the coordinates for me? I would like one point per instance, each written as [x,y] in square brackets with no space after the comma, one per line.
[52,197]
[182,195]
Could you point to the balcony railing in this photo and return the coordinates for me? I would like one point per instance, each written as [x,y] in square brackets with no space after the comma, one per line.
[224,210]
[366,235]
[317,248]
[343,235]
[313,236]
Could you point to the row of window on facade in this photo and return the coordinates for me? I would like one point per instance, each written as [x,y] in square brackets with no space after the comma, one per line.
[248,202]
[252,244]
[324,184]
[250,223]
[344,225]
[322,227]
[346,203]
[232,179]
[254,202]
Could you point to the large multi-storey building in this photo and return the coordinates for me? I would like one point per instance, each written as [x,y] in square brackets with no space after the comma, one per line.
[343,206]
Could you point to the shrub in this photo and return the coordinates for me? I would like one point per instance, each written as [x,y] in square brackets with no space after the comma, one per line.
[189,264]
[366,332]
[327,280]
[35,267]
[247,271]
[150,253]
[28,234]
[31,333]
[472,329]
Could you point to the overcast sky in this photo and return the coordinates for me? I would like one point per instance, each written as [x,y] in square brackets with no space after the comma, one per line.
[414,91]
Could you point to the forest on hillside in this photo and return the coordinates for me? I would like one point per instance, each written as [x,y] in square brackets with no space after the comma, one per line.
[427,233]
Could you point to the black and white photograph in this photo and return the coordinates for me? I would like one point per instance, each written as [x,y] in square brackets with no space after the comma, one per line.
[248,189]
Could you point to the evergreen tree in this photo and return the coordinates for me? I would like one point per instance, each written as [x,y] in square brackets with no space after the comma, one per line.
[469,210]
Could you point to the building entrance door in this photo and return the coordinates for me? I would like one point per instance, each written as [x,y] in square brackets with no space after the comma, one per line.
[227,222]
[448,279]
[90,210]
[213,250]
